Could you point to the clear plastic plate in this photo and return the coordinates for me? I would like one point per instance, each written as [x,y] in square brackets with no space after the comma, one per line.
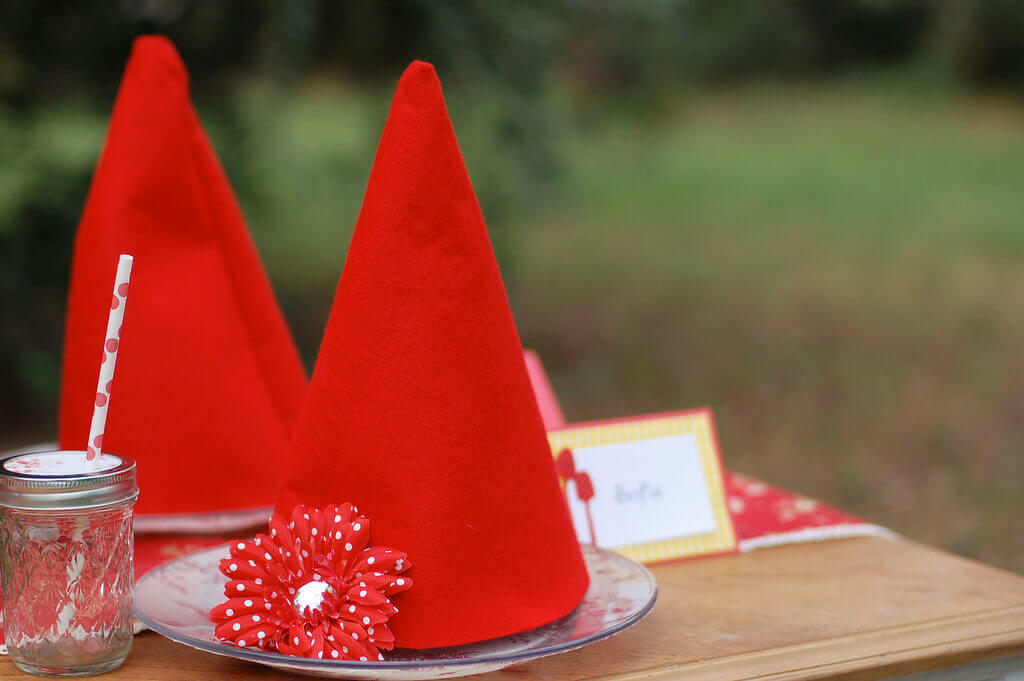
[174,599]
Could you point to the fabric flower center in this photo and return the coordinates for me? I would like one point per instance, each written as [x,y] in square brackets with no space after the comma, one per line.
[311,595]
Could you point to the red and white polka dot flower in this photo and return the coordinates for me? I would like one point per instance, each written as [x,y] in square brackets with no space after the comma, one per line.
[312,588]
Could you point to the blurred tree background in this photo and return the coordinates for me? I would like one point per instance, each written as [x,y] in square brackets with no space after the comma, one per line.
[806,214]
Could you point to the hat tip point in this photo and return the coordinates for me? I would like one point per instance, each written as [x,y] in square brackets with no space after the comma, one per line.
[420,65]
[419,71]
[153,41]
[154,51]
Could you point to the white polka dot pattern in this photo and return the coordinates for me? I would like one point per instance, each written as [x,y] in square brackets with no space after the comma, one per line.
[335,606]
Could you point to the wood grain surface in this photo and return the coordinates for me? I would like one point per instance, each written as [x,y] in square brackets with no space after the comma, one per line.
[859,609]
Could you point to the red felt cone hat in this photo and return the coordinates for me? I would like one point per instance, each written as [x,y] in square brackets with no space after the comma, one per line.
[420,410]
[208,382]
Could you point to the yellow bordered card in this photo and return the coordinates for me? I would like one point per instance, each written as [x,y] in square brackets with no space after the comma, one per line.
[649,487]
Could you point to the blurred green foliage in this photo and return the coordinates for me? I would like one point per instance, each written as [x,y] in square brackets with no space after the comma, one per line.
[297,145]
[294,93]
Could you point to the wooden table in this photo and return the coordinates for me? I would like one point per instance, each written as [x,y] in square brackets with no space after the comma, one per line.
[858,609]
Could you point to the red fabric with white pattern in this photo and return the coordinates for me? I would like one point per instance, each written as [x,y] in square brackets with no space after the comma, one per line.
[327,549]
[763,515]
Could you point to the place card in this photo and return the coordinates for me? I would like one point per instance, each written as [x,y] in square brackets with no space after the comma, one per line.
[649,487]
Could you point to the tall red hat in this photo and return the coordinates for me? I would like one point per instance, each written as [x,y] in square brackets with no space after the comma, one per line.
[420,410]
[208,383]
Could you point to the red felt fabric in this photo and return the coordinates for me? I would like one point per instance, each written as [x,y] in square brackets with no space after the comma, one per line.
[420,410]
[208,382]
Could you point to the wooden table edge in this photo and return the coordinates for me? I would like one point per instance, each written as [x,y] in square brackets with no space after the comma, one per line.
[881,653]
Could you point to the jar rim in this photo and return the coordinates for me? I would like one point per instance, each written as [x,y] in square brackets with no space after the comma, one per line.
[37,488]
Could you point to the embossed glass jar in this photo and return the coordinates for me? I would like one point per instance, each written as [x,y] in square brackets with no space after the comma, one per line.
[66,574]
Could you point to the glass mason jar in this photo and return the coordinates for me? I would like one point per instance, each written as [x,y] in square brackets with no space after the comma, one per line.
[66,548]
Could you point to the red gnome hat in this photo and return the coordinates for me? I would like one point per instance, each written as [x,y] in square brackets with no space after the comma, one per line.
[208,383]
[420,410]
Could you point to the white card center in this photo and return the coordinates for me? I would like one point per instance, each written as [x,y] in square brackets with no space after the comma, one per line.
[644,490]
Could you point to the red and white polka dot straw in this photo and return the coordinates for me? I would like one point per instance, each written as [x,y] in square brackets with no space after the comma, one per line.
[110,343]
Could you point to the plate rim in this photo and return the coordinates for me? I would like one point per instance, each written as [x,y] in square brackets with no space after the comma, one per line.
[278,660]
[202,522]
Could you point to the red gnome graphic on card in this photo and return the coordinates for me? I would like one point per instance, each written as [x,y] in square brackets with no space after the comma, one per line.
[314,587]
[565,465]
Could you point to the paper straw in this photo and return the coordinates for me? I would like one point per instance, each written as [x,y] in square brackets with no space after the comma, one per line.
[110,342]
